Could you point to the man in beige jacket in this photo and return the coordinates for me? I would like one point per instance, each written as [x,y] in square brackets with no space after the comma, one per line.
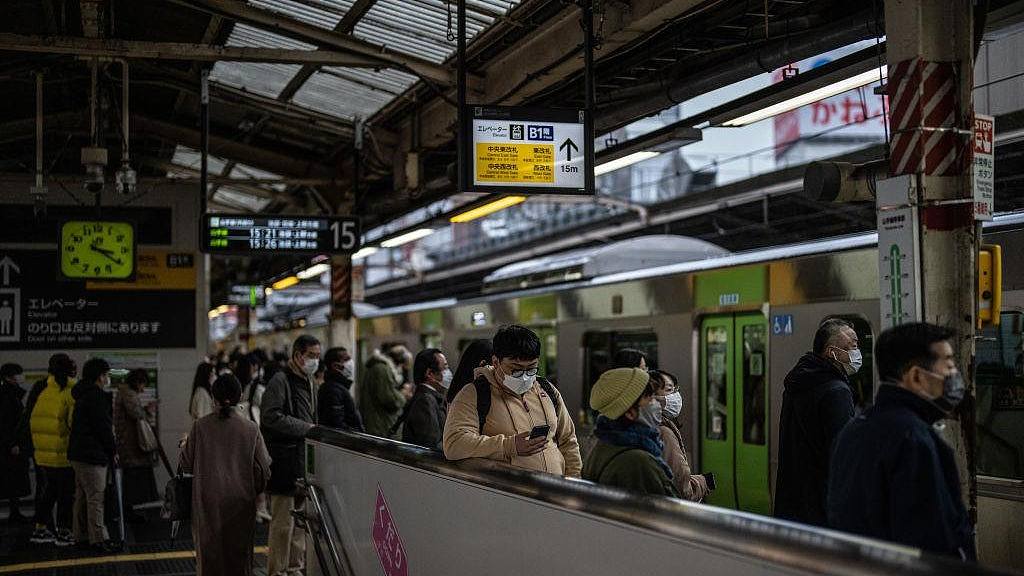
[519,402]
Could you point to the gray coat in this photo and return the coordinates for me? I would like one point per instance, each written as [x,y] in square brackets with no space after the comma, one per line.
[286,417]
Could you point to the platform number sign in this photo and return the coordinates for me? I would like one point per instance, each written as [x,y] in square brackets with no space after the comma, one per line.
[260,234]
[782,325]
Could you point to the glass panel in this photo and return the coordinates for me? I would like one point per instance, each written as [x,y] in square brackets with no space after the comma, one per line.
[646,342]
[1000,392]
[599,349]
[550,351]
[717,338]
[863,382]
[754,377]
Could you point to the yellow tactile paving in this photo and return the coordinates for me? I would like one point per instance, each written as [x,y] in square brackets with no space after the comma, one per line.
[90,560]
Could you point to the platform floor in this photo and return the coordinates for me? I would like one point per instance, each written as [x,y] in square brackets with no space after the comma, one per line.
[149,551]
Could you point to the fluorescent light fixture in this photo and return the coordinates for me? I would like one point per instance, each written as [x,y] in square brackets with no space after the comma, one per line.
[285,282]
[212,314]
[624,161]
[862,79]
[407,237]
[314,271]
[364,252]
[268,291]
[223,309]
[489,208]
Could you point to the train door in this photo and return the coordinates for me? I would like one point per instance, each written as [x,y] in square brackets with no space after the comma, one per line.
[734,410]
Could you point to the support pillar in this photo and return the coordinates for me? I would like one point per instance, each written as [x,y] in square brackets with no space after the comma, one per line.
[930,51]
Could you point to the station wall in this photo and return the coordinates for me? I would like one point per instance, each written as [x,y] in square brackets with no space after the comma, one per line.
[169,213]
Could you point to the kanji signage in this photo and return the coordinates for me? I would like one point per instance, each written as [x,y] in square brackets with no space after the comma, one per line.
[38,313]
[984,166]
[386,540]
[527,150]
[268,235]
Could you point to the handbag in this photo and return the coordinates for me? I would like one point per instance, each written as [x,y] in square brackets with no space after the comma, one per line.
[178,498]
[147,438]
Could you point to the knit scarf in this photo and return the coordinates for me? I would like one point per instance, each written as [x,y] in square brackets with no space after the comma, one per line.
[632,435]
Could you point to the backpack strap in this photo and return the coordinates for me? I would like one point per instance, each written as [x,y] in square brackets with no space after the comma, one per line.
[483,400]
[549,388]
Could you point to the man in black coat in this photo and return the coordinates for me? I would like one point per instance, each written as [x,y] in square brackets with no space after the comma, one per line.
[335,406]
[91,449]
[423,420]
[816,404]
[15,446]
[893,476]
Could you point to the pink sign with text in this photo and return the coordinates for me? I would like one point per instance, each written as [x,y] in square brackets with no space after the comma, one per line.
[386,540]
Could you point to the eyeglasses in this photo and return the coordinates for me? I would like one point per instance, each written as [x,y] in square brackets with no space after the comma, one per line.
[521,373]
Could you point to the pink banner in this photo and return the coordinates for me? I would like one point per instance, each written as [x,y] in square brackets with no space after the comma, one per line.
[386,540]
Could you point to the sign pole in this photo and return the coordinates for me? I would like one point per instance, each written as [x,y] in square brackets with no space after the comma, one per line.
[587,7]
[204,139]
[461,141]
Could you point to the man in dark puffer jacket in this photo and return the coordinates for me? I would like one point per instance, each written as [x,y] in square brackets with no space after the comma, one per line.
[91,449]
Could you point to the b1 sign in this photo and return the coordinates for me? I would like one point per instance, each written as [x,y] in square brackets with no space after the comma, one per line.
[984,166]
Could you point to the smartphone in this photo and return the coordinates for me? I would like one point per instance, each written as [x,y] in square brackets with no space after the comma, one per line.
[709,479]
[540,431]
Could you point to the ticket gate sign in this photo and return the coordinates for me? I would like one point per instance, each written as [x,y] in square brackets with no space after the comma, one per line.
[527,150]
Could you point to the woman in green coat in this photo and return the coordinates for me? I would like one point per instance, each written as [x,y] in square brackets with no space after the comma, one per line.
[628,453]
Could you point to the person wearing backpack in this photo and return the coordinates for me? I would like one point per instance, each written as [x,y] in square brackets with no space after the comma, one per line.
[495,416]
[287,415]
[629,453]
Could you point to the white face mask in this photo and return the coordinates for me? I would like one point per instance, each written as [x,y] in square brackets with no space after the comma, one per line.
[446,378]
[673,405]
[309,366]
[650,414]
[856,361]
[19,379]
[518,385]
[348,368]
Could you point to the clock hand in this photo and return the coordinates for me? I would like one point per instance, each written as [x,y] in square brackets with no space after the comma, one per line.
[108,253]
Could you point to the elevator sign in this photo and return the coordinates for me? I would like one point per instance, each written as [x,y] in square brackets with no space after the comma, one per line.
[527,150]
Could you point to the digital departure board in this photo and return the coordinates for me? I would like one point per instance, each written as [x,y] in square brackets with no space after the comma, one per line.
[258,234]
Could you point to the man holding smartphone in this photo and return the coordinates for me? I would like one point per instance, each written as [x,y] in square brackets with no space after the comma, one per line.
[512,415]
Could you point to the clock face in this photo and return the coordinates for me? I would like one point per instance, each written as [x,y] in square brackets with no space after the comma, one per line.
[97,250]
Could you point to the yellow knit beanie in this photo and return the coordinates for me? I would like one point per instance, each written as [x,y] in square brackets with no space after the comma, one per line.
[616,390]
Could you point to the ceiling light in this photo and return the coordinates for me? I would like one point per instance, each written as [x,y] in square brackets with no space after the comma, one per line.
[223,309]
[313,271]
[624,161]
[285,282]
[489,208]
[268,291]
[407,237]
[212,314]
[862,79]
[364,252]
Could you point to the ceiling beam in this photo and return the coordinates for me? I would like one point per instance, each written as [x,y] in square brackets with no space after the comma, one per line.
[113,48]
[281,24]
[345,26]
[231,149]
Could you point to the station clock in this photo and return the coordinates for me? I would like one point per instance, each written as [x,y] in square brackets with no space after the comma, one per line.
[97,250]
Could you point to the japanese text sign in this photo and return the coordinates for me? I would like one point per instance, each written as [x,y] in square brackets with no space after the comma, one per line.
[984,166]
[386,540]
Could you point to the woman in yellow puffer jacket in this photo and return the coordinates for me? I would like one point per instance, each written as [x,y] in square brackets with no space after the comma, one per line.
[51,430]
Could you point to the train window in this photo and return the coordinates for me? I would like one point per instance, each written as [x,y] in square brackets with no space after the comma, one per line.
[717,367]
[754,338]
[863,382]
[600,347]
[1000,398]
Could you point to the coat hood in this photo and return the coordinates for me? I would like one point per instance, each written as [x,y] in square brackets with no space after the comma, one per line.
[82,389]
[811,371]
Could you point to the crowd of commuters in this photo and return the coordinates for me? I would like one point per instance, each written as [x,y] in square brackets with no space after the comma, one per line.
[884,473]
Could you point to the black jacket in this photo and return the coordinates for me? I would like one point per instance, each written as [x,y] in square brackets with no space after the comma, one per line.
[423,421]
[286,416]
[894,478]
[92,425]
[335,406]
[816,404]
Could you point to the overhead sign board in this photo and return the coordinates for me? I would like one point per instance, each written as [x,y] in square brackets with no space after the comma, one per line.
[247,295]
[984,166]
[527,151]
[269,235]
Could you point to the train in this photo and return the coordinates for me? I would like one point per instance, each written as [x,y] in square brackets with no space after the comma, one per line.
[731,326]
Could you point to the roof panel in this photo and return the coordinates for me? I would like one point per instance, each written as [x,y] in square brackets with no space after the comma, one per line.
[350,92]
[246,171]
[258,78]
[245,35]
[237,198]
[191,159]
[322,13]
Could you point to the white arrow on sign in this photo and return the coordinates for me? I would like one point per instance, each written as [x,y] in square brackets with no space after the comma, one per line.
[7,265]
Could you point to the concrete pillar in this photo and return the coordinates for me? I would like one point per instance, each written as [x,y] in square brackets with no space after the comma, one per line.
[930,56]
[342,329]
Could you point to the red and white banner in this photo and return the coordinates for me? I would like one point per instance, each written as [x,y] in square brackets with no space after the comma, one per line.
[924,117]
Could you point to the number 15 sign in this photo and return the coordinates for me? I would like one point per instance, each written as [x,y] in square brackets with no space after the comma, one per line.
[386,540]
[263,234]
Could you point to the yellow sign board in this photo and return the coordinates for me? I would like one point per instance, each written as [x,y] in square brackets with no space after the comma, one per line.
[515,163]
[157,270]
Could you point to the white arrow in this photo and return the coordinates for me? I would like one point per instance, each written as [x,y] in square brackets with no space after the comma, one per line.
[6,265]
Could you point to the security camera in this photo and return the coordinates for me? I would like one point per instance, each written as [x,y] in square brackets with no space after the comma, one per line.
[125,180]
[95,162]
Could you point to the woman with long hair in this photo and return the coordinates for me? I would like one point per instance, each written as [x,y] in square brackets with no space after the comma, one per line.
[476,355]
[139,481]
[230,465]
[201,403]
[666,391]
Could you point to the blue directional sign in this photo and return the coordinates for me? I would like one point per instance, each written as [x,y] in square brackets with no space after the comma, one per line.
[782,325]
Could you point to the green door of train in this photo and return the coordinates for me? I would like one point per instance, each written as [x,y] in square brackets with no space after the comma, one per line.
[734,410]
